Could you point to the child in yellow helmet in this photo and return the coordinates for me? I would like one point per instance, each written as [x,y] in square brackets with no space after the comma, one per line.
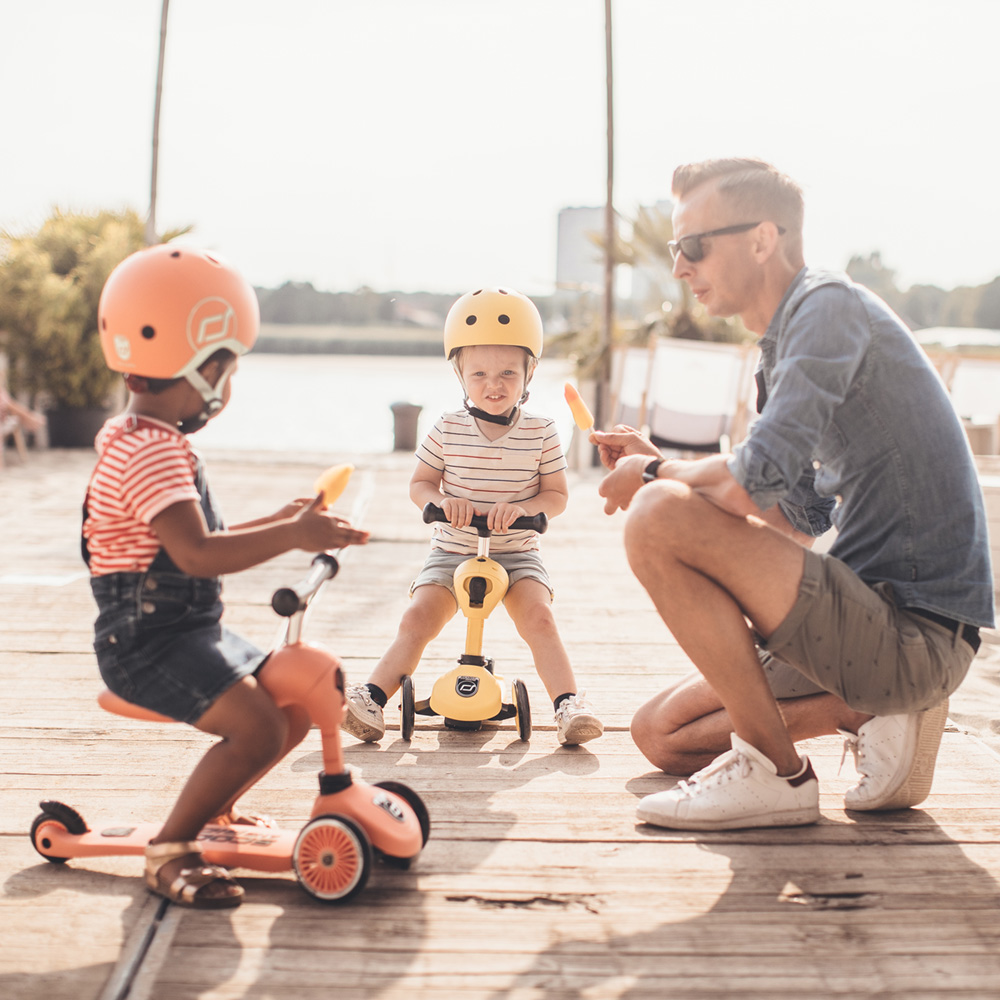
[489,458]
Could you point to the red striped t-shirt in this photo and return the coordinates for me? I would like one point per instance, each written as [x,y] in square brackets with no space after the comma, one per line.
[139,474]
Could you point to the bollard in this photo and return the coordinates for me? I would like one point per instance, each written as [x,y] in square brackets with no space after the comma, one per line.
[404,426]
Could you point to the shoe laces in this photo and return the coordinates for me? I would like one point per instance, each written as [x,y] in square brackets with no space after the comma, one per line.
[852,743]
[573,704]
[362,692]
[731,765]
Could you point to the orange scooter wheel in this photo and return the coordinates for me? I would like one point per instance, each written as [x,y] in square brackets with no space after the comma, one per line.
[332,858]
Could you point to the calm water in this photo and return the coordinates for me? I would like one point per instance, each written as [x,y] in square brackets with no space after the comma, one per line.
[340,404]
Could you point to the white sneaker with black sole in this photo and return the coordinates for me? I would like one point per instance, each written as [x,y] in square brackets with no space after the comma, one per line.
[740,789]
[894,756]
[363,717]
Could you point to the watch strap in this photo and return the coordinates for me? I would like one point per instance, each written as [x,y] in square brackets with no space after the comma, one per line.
[649,473]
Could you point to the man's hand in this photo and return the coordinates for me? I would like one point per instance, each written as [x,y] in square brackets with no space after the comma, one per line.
[620,485]
[623,440]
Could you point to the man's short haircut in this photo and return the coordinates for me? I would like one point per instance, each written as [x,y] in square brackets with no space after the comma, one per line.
[756,189]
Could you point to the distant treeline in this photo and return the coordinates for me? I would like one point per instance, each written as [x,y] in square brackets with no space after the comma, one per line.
[922,306]
[300,302]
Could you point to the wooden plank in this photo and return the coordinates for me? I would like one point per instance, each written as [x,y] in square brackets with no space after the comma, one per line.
[537,881]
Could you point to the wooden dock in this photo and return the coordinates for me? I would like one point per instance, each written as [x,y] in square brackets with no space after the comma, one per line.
[537,882]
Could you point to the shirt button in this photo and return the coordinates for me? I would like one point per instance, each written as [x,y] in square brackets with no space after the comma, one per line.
[148,607]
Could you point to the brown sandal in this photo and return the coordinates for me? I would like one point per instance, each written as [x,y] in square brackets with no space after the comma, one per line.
[244,819]
[185,889]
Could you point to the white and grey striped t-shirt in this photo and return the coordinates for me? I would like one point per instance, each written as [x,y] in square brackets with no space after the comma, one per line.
[487,472]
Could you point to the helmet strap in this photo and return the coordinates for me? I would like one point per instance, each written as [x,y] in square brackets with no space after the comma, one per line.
[211,397]
[493,418]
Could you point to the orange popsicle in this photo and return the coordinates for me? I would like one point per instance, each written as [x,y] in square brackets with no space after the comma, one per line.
[333,482]
[581,414]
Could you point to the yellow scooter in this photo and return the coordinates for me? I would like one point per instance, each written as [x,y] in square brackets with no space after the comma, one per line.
[471,694]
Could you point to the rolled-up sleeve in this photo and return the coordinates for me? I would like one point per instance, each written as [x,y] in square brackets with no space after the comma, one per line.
[818,350]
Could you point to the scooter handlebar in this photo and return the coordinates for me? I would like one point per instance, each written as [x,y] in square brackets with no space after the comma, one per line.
[289,601]
[530,522]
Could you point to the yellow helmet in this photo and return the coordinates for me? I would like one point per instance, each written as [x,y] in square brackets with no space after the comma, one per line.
[493,316]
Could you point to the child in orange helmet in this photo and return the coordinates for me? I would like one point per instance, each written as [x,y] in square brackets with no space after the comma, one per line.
[490,458]
[173,322]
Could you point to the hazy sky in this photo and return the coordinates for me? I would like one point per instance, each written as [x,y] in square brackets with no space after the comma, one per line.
[429,144]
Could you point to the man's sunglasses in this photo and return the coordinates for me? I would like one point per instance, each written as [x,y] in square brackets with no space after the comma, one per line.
[691,246]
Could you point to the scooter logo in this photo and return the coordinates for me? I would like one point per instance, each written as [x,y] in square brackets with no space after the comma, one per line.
[389,805]
[466,687]
[211,321]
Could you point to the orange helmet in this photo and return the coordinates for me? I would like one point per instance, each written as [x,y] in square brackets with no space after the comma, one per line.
[493,316]
[165,310]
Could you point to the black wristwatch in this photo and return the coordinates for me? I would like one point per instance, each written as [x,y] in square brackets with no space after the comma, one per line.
[649,473]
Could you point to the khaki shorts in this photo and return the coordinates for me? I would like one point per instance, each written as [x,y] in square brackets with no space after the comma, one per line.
[441,565]
[850,639]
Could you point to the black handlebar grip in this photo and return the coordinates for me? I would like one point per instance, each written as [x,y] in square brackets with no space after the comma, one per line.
[288,601]
[530,522]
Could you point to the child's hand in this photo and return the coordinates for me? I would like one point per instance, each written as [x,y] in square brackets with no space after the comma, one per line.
[291,509]
[503,515]
[459,512]
[321,529]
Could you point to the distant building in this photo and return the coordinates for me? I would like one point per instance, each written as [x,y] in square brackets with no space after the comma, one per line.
[579,260]
[580,265]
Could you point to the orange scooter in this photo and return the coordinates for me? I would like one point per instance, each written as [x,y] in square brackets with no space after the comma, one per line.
[351,821]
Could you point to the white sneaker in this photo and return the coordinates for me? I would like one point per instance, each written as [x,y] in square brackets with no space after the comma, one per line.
[739,789]
[894,756]
[576,722]
[363,717]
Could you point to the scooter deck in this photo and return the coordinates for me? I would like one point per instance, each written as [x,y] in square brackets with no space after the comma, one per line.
[255,847]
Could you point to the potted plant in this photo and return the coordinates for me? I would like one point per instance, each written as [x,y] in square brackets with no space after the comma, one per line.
[50,285]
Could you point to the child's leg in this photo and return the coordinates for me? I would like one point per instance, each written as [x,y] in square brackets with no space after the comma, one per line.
[529,605]
[299,723]
[431,608]
[255,733]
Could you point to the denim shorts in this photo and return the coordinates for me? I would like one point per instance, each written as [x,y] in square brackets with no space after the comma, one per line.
[160,643]
[440,568]
[848,638]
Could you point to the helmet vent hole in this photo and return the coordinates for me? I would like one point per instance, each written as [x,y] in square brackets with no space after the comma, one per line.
[470,320]
[504,318]
[479,292]
[176,253]
[501,291]
[148,332]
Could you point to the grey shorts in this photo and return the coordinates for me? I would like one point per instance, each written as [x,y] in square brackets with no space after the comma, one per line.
[440,568]
[850,639]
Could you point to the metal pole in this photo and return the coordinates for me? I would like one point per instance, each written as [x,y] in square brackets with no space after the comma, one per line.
[604,368]
[151,218]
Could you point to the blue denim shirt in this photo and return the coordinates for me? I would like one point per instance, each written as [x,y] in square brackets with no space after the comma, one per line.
[856,412]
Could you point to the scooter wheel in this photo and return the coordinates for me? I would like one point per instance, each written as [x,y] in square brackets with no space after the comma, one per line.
[58,814]
[414,801]
[332,858]
[407,706]
[523,707]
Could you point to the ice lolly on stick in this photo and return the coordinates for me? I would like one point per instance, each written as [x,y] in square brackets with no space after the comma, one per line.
[333,482]
[581,414]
